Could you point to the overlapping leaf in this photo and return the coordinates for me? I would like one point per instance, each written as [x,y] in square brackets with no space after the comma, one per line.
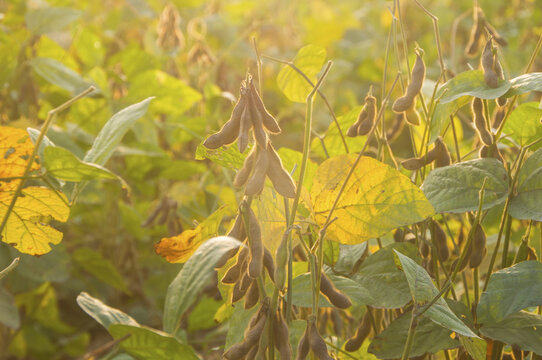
[309,60]
[15,150]
[376,200]
[528,197]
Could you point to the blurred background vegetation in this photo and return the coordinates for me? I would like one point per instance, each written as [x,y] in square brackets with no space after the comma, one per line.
[193,61]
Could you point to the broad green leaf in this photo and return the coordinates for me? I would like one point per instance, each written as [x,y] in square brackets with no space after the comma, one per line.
[103,314]
[523,125]
[455,188]
[150,344]
[192,278]
[202,315]
[302,291]
[376,200]
[428,338]
[332,139]
[59,74]
[173,96]
[475,347]
[93,262]
[270,213]
[423,291]
[525,83]
[522,329]
[41,305]
[510,290]
[113,132]
[52,267]
[9,314]
[526,202]
[34,133]
[349,255]
[62,164]
[383,280]
[470,83]
[48,19]
[227,156]
[27,228]
[309,60]
[441,116]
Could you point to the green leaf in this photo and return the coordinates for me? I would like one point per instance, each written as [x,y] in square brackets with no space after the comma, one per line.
[309,60]
[332,139]
[376,200]
[510,290]
[477,348]
[522,329]
[150,344]
[113,132]
[523,125]
[455,188]
[383,280]
[185,288]
[227,156]
[60,75]
[173,96]
[526,202]
[525,83]
[103,314]
[93,262]
[442,114]
[349,255]
[424,291]
[302,291]
[428,338]
[48,19]
[9,315]
[470,83]
[62,164]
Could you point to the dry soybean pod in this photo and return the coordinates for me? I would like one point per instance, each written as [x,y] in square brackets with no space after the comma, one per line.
[353,129]
[238,293]
[269,264]
[224,259]
[238,229]
[370,110]
[397,126]
[361,334]
[255,264]
[232,275]
[442,154]
[244,127]
[414,163]
[478,248]
[476,32]
[253,295]
[317,344]
[303,347]
[244,172]
[268,120]
[490,76]
[245,282]
[498,117]
[480,123]
[281,179]
[251,355]
[334,296]
[485,152]
[440,241]
[257,123]
[418,76]
[280,332]
[229,132]
[256,182]
[281,255]
[239,350]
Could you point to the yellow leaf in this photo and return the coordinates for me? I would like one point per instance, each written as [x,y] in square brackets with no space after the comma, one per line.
[15,150]
[27,228]
[376,200]
[178,249]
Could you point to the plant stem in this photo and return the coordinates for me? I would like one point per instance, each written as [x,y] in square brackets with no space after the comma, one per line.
[410,336]
[9,268]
